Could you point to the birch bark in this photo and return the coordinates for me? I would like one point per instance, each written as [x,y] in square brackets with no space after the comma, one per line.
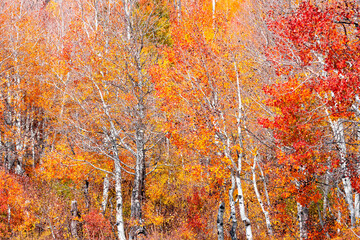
[303,215]
[239,119]
[119,202]
[74,225]
[220,221]
[232,208]
[338,131]
[105,194]
[266,213]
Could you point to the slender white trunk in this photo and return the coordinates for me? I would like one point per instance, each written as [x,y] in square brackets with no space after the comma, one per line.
[117,165]
[128,11]
[357,195]
[119,202]
[74,225]
[96,14]
[239,120]
[138,192]
[220,221]
[326,192]
[9,215]
[177,4]
[265,187]
[243,216]
[303,215]
[105,194]
[137,196]
[18,143]
[232,208]
[213,9]
[339,211]
[266,213]
[86,194]
[338,131]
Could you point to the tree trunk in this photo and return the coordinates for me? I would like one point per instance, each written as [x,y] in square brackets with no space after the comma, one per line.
[9,218]
[232,208]
[239,120]
[86,194]
[138,192]
[266,213]
[119,202]
[303,215]
[127,12]
[220,221]
[338,131]
[178,8]
[213,8]
[75,226]
[105,194]
[244,218]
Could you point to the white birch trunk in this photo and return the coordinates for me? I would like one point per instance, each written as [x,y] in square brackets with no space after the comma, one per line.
[266,213]
[326,192]
[9,215]
[338,131]
[357,195]
[303,216]
[265,187]
[105,194]
[119,202]
[239,120]
[137,196]
[213,9]
[243,216]
[117,165]
[74,221]
[86,194]
[138,192]
[232,208]
[220,221]
[19,145]
[177,4]
[127,12]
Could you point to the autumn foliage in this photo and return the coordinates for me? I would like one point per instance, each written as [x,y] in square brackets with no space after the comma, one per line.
[141,119]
